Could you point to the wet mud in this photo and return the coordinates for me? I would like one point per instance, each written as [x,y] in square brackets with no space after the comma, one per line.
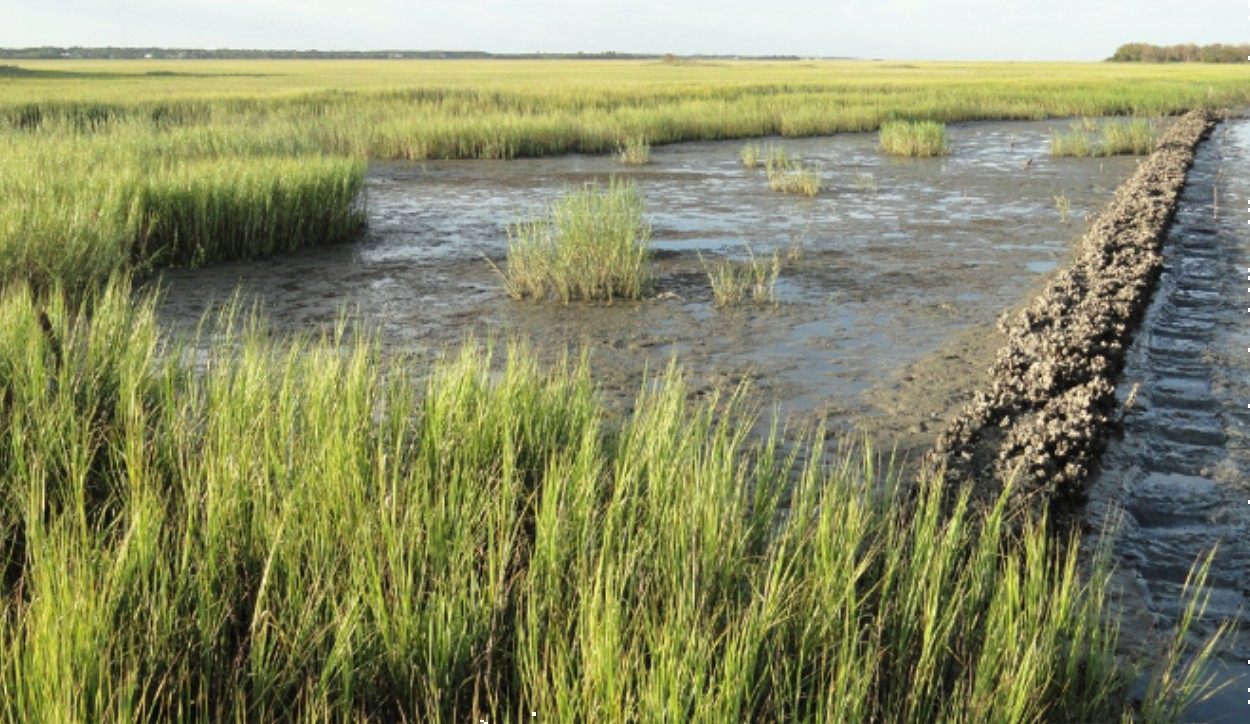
[1175,483]
[888,268]
[894,283]
[1042,417]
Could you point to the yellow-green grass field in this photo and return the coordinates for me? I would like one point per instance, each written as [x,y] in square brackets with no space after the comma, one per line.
[299,530]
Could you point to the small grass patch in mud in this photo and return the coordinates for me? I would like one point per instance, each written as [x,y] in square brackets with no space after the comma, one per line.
[866,182]
[1063,205]
[635,151]
[752,155]
[792,175]
[736,281]
[1087,137]
[594,245]
[917,139]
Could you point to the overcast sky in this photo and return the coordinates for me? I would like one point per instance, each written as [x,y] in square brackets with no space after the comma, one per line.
[897,29]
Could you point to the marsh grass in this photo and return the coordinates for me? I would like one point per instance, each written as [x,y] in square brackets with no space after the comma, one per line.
[595,244]
[1088,137]
[1063,205]
[636,151]
[792,175]
[1136,137]
[295,530]
[81,209]
[914,138]
[752,155]
[866,182]
[80,141]
[736,281]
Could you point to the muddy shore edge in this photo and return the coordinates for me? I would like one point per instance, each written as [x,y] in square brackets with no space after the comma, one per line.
[1043,415]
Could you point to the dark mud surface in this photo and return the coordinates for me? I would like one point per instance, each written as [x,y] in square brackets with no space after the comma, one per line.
[1042,417]
[1178,478]
[897,265]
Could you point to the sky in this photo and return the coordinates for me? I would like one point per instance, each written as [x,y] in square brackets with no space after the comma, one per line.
[893,29]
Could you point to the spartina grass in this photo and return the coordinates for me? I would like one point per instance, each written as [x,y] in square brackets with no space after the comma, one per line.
[636,151]
[1134,138]
[1088,137]
[1182,676]
[752,155]
[1063,205]
[866,182]
[736,281]
[292,530]
[914,138]
[594,244]
[792,175]
[1076,143]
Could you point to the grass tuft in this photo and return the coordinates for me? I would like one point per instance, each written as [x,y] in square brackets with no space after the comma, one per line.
[636,151]
[790,175]
[1063,205]
[594,245]
[914,138]
[734,282]
[752,156]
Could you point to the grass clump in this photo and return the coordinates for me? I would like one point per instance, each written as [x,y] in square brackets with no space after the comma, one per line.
[636,151]
[595,245]
[866,182]
[752,155]
[1063,205]
[914,138]
[1087,137]
[1133,138]
[790,175]
[734,282]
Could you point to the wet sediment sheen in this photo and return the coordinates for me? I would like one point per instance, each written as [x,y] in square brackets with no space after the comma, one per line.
[1044,414]
[1174,484]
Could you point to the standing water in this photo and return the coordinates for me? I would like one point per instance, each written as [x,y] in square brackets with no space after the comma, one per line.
[1180,473]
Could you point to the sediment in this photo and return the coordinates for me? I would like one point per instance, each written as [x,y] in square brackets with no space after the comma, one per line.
[1048,405]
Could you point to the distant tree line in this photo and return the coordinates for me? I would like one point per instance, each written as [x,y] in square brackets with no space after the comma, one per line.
[1184,53]
[53,53]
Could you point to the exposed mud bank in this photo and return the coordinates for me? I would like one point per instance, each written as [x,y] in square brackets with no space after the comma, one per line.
[1049,401]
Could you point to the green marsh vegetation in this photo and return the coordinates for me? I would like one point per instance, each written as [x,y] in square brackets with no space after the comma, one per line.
[1088,137]
[1063,205]
[866,182]
[919,139]
[104,138]
[792,175]
[634,152]
[752,155]
[594,244]
[297,529]
[736,281]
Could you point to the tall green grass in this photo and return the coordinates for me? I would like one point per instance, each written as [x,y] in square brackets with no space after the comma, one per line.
[595,244]
[298,530]
[914,138]
[735,281]
[80,208]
